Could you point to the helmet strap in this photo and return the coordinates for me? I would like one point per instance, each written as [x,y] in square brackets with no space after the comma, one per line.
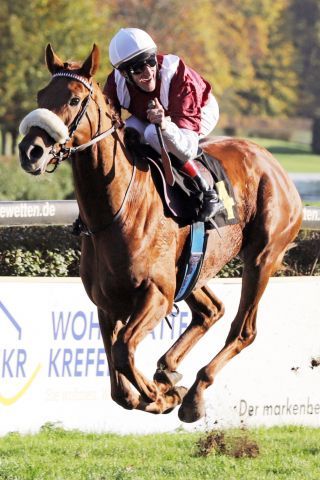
[128,77]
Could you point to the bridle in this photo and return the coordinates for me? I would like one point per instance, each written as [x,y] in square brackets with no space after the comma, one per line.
[65,153]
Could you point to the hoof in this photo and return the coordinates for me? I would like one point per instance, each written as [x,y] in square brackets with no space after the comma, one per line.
[167,377]
[164,404]
[177,394]
[191,411]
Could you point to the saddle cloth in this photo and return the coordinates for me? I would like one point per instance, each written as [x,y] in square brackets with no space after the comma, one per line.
[183,200]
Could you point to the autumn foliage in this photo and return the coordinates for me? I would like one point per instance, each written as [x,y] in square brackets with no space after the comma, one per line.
[261,56]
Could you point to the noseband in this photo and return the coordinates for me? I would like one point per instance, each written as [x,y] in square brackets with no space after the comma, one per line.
[64,153]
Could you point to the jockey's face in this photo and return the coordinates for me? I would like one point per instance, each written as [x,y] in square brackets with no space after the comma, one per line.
[146,80]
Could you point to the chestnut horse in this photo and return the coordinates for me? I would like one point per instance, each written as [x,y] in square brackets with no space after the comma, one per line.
[133,255]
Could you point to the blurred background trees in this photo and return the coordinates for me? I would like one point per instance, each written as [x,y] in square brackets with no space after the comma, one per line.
[25,30]
[304,18]
[261,56]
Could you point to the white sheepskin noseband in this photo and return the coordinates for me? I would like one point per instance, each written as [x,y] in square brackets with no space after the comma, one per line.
[48,121]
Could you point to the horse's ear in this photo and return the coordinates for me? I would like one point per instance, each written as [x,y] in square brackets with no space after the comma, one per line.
[91,64]
[53,61]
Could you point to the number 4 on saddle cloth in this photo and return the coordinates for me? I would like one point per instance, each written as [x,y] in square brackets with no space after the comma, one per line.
[183,202]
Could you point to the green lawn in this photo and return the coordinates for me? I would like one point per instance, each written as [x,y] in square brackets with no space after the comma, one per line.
[294,157]
[287,453]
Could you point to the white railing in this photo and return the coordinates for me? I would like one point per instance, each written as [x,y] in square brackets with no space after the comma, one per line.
[64,212]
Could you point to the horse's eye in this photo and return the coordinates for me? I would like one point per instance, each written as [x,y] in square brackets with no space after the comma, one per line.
[74,101]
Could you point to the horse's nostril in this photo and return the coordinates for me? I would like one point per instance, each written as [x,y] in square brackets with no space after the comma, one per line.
[35,152]
[31,153]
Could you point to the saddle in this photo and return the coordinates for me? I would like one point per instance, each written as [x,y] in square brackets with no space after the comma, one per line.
[183,200]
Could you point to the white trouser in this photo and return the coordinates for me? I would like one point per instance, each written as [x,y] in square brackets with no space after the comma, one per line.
[181,142]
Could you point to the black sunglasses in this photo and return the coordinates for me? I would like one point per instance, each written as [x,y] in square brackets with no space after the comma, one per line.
[138,67]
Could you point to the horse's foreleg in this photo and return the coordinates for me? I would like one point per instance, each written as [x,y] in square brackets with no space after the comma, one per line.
[151,306]
[121,391]
[206,310]
[242,334]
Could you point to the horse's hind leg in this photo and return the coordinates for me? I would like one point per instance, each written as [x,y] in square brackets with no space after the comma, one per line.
[257,271]
[206,310]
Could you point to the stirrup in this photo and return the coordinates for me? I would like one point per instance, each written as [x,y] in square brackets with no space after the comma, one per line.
[212,205]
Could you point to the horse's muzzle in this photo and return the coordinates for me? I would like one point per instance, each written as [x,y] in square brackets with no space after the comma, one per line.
[34,154]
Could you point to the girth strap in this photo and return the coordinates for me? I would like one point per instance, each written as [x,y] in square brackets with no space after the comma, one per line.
[197,249]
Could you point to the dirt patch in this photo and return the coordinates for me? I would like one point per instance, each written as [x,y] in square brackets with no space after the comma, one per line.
[237,444]
[315,362]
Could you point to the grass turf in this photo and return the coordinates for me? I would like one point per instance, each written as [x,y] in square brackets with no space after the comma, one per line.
[55,454]
[294,157]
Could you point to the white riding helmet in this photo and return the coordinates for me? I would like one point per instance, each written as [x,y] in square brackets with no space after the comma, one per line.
[129,43]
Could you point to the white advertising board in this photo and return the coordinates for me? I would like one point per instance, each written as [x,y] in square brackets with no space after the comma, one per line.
[53,367]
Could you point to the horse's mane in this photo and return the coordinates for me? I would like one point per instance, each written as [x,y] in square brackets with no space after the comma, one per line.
[71,65]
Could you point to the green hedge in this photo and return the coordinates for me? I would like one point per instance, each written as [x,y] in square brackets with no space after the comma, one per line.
[47,263]
[54,252]
[39,251]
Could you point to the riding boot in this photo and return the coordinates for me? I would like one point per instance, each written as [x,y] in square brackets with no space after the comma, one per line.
[211,202]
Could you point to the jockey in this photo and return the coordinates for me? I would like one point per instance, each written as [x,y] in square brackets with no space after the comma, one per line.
[184,106]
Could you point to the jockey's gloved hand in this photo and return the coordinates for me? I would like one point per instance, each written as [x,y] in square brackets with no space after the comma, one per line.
[156,114]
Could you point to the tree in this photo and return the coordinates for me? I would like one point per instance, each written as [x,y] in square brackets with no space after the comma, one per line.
[305,25]
[272,88]
[25,31]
